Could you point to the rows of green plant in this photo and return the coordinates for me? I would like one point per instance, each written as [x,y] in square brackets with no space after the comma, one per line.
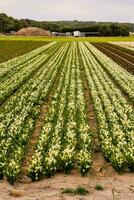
[65,140]
[17,71]
[15,64]
[124,79]
[65,136]
[19,112]
[115,116]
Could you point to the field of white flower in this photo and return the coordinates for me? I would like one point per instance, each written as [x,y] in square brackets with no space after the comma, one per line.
[66,139]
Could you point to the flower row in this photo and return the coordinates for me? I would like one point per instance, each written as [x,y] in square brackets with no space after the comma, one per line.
[17,63]
[65,137]
[18,115]
[18,77]
[114,114]
[123,78]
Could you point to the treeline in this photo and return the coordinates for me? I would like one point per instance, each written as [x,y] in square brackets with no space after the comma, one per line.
[8,24]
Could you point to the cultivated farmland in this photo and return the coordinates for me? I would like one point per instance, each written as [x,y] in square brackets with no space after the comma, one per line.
[123,56]
[12,48]
[60,104]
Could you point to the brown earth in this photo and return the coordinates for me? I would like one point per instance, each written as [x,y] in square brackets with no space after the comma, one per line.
[123,58]
[32,31]
[117,187]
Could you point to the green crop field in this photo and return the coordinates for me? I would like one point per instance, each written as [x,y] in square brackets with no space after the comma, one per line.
[13,48]
[56,101]
[67,100]
[67,39]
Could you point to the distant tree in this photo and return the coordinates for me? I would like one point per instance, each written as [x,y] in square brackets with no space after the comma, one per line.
[124,30]
[54,27]
[91,28]
[24,23]
[115,29]
[8,24]
[5,23]
[17,25]
[105,30]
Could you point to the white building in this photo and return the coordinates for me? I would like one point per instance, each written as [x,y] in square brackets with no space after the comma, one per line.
[68,34]
[54,33]
[77,34]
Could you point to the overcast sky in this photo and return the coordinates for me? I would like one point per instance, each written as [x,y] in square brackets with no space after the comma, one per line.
[98,10]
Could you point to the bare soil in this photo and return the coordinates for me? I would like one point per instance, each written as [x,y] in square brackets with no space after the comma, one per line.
[124,44]
[90,110]
[117,187]
[125,60]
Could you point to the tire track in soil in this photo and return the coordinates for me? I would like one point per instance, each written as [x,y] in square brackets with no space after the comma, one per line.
[122,49]
[121,60]
[38,125]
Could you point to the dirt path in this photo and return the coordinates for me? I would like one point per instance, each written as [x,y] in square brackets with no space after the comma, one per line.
[117,187]
[90,111]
